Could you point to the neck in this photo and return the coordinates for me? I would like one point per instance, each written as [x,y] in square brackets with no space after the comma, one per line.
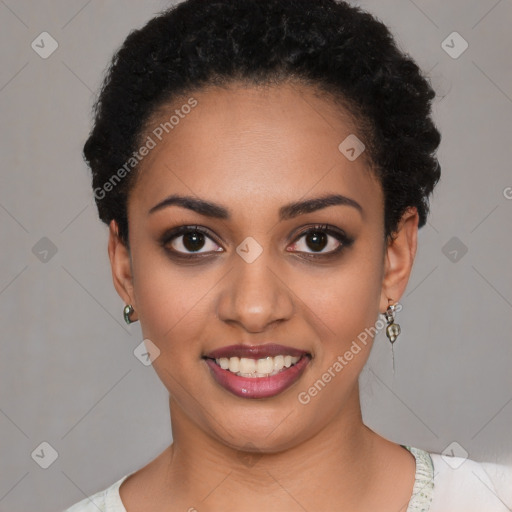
[338,458]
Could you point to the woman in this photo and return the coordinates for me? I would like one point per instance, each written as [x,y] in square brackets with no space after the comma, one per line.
[264,167]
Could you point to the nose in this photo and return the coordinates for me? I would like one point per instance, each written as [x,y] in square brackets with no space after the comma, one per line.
[255,295]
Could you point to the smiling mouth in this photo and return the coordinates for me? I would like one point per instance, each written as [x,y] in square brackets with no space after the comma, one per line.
[257,371]
[254,368]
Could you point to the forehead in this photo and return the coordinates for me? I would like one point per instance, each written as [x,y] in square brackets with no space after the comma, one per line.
[253,147]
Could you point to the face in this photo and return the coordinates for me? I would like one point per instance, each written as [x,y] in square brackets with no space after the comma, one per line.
[217,286]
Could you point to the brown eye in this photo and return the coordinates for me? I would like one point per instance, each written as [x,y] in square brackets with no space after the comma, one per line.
[188,240]
[193,241]
[321,240]
[316,240]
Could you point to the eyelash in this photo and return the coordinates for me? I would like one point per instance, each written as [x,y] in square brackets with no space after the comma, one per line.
[341,236]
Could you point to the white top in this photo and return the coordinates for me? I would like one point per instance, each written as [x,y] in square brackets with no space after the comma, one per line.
[442,484]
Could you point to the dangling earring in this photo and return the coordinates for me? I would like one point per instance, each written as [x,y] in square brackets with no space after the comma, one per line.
[127,311]
[392,329]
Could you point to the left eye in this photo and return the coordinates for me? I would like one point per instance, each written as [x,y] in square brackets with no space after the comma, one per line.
[322,240]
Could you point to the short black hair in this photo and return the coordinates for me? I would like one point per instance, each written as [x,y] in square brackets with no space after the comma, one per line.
[339,48]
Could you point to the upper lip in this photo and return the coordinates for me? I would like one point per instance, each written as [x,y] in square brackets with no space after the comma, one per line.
[255,351]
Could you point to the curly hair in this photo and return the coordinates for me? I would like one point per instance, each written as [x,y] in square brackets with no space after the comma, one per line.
[338,48]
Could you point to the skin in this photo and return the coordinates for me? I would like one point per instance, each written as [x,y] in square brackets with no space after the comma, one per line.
[253,150]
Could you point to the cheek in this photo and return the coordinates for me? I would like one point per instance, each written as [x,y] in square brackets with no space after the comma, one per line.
[173,315]
[343,310]
[346,300]
[171,301]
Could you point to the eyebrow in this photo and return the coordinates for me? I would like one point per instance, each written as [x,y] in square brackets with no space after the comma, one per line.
[286,212]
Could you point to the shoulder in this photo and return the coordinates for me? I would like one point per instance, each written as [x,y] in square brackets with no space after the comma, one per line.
[107,500]
[470,486]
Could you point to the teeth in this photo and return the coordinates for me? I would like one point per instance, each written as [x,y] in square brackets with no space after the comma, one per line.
[265,365]
[234,364]
[278,362]
[245,367]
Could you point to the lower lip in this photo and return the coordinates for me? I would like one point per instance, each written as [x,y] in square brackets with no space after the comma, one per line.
[258,387]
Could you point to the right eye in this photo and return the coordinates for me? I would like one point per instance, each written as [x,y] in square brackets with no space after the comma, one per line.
[189,240]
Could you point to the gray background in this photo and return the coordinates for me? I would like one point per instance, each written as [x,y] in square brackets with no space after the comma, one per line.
[68,373]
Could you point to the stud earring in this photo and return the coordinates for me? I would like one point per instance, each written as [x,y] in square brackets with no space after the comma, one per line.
[127,311]
[392,330]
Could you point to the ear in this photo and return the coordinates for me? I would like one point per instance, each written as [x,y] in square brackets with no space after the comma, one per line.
[120,263]
[399,258]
